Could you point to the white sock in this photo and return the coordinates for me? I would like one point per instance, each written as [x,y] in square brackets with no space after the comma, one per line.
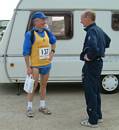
[42,104]
[29,105]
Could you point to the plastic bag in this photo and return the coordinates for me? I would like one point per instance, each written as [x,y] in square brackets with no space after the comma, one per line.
[29,84]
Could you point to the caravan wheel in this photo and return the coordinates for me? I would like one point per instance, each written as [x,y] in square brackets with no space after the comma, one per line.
[110,84]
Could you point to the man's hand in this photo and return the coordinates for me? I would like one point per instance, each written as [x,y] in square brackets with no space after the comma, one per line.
[86,58]
[29,71]
[51,56]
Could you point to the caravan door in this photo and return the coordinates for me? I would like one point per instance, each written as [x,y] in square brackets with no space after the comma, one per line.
[15,61]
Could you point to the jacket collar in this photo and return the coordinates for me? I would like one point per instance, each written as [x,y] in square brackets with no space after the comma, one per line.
[87,28]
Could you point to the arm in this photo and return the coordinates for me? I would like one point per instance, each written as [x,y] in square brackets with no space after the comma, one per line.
[27,61]
[92,45]
[52,40]
[26,51]
[53,48]
[52,53]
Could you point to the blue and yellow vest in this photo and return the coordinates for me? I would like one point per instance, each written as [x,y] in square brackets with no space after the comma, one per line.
[40,50]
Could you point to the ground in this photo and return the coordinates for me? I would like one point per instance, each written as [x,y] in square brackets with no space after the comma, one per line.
[66,102]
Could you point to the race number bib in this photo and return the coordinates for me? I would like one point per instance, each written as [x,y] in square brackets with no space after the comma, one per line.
[44,53]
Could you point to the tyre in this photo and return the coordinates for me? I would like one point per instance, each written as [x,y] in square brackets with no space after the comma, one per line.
[110,84]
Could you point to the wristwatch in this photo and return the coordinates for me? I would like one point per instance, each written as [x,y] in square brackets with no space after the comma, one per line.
[53,50]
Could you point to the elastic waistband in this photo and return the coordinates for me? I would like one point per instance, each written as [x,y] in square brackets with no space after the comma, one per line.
[96,59]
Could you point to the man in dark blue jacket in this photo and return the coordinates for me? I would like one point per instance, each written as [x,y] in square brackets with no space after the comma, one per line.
[96,41]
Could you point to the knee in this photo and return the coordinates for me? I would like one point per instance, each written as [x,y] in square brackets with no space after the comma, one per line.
[43,86]
[36,82]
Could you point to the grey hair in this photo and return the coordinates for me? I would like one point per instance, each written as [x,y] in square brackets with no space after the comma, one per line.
[90,14]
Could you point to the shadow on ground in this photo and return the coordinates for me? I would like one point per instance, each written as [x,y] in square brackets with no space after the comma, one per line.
[51,88]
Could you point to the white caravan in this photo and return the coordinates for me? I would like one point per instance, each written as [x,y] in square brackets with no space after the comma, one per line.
[64,21]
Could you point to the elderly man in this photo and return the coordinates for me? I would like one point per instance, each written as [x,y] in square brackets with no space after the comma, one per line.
[38,51]
[96,41]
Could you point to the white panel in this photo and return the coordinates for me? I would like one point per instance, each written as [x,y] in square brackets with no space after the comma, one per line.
[3,76]
[18,31]
[61,67]
[69,4]
[73,46]
[67,67]
[103,19]
[18,67]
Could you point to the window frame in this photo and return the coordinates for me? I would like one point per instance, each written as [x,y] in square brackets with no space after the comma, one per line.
[115,27]
[3,28]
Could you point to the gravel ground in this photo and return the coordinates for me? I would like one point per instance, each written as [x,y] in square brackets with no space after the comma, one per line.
[66,102]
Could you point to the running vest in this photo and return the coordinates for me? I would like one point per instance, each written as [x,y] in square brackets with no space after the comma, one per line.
[40,50]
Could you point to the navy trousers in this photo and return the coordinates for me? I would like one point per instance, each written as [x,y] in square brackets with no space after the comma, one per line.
[91,79]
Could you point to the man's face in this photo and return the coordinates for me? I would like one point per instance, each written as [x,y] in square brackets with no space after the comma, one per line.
[85,20]
[39,23]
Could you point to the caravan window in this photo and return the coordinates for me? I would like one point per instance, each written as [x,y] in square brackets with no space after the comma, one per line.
[115,21]
[3,25]
[61,24]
